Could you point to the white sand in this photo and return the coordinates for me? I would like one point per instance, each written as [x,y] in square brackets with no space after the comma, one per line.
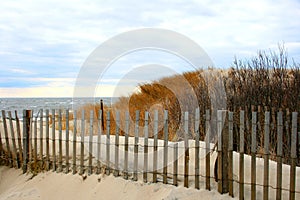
[50,185]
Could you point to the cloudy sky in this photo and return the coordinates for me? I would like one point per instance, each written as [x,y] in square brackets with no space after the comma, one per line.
[43,44]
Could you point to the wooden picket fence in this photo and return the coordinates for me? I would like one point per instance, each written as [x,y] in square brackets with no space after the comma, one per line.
[48,148]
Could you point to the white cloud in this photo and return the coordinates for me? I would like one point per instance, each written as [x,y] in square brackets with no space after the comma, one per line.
[53,38]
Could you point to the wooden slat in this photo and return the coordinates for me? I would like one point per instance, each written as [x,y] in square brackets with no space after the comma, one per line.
[19,138]
[219,149]
[253,156]
[117,171]
[230,153]
[136,141]
[155,146]
[146,134]
[166,138]
[91,129]
[60,167]
[279,155]
[6,139]
[186,147]
[100,130]
[47,141]
[293,156]
[53,140]
[26,132]
[90,170]
[41,134]
[126,145]
[266,156]
[67,142]
[107,142]
[14,149]
[1,148]
[175,165]
[35,144]
[82,143]
[197,144]
[207,147]
[74,141]
[242,151]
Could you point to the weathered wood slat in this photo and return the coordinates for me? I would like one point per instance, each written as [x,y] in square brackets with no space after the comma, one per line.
[186,148]
[136,141]
[60,167]
[175,165]
[266,156]
[53,140]
[14,149]
[279,155]
[35,144]
[293,156]
[242,150]
[117,171]
[41,135]
[146,134]
[74,141]
[207,147]
[90,169]
[166,138]
[253,156]
[219,150]
[230,153]
[6,139]
[82,142]
[197,144]
[107,142]
[155,146]
[127,121]
[67,142]
[19,138]
[100,131]
[26,136]
[47,141]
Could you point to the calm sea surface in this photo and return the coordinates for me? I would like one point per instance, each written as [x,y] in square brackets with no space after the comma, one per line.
[35,104]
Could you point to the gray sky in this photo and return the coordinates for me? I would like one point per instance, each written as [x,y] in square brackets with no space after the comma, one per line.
[43,44]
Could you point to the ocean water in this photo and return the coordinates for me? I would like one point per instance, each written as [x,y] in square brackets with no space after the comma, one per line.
[35,104]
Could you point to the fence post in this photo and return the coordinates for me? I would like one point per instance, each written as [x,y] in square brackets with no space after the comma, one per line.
[136,140]
[146,147]
[266,156]
[165,161]
[116,171]
[253,156]
[293,156]
[26,130]
[197,138]
[207,148]
[279,155]
[126,145]
[230,153]
[155,146]
[35,144]
[186,148]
